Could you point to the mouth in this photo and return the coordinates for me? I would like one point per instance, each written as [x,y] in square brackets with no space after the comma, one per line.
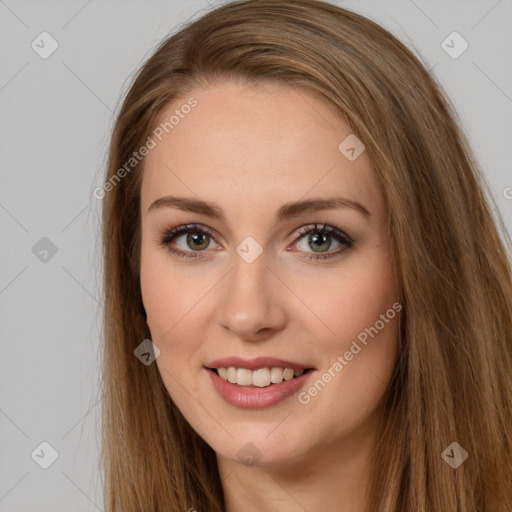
[258,388]
[259,378]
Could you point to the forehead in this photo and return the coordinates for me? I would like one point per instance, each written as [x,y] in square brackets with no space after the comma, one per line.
[254,145]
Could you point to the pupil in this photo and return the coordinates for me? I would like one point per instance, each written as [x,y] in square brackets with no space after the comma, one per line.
[195,239]
[315,239]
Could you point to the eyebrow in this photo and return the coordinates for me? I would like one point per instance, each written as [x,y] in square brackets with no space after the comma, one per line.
[287,211]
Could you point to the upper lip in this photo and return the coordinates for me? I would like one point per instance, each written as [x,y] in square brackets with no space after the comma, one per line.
[258,362]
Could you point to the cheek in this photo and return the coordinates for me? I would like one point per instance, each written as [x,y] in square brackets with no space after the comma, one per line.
[346,301]
[176,310]
[356,321]
[169,307]
[159,292]
[166,294]
[360,356]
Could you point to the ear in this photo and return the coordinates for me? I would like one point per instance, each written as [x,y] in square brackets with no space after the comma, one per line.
[142,308]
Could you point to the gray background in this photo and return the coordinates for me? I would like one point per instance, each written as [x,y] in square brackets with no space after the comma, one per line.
[56,116]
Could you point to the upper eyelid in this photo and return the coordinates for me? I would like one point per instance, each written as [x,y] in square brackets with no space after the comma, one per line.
[301,231]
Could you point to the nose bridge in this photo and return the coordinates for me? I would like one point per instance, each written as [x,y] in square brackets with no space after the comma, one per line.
[250,272]
[251,302]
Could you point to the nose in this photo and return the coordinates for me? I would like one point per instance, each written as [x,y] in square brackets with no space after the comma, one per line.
[252,305]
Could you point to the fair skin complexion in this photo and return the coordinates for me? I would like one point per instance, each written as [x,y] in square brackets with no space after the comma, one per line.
[249,150]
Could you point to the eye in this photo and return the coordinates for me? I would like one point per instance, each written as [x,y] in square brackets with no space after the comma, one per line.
[200,238]
[197,237]
[321,238]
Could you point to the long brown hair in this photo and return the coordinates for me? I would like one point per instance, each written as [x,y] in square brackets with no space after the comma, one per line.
[453,378]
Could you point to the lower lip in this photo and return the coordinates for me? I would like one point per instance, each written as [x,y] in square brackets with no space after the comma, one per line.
[248,397]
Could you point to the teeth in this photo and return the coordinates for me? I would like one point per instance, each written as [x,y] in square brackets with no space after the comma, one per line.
[276,375]
[232,375]
[260,378]
[244,377]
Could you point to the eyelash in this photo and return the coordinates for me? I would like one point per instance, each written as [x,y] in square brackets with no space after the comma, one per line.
[171,234]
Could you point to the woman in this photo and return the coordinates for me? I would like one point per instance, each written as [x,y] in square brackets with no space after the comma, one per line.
[308,304]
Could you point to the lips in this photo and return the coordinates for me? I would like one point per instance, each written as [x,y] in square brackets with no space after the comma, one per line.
[258,362]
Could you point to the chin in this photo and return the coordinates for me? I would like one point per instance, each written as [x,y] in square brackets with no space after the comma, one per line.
[252,448]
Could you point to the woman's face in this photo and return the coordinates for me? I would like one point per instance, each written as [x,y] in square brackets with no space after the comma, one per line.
[247,283]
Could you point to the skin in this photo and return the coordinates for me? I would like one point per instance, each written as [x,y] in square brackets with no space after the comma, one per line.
[250,149]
